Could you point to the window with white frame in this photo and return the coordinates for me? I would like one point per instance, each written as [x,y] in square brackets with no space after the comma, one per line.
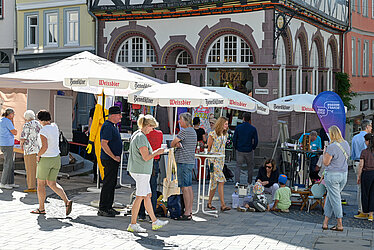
[372,60]
[314,62]
[365,59]
[230,49]
[183,58]
[353,56]
[32,31]
[72,27]
[359,57]
[132,51]
[1,9]
[281,59]
[329,65]
[299,64]
[365,8]
[372,8]
[51,29]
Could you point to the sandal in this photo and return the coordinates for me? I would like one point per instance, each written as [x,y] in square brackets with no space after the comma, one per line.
[325,228]
[225,208]
[209,205]
[184,217]
[69,205]
[38,211]
[335,228]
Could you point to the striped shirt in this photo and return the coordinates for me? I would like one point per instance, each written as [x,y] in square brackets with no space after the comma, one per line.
[186,154]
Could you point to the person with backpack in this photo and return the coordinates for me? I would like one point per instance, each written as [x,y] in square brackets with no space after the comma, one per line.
[335,158]
[365,176]
[216,144]
[140,166]
[49,163]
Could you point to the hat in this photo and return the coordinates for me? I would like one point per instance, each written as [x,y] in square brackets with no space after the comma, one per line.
[114,110]
[282,179]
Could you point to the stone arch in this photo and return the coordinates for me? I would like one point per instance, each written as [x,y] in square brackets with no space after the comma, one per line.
[335,51]
[318,39]
[119,35]
[224,27]
[287,40]
[173,47]
[302,36]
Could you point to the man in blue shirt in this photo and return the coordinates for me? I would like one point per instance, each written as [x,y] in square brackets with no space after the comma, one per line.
[358,144]
[315,144]
[111,150]
[245,141]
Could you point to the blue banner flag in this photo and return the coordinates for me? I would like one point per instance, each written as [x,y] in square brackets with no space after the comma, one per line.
[330,110]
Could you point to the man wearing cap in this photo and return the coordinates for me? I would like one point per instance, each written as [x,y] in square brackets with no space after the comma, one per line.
[111,149]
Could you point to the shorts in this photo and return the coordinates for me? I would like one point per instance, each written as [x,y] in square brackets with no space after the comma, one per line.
[143,187]
[48,168]
[184,172]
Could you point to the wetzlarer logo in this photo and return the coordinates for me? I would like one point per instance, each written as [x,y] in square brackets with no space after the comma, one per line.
[142,99]
[77,81]
[282,107]
[141,85]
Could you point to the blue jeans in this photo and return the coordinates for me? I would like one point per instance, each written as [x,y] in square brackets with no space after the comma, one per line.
[153,183]
[184,172]
[335,182]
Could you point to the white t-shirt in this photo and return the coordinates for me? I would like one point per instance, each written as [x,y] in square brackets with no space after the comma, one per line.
[50,132]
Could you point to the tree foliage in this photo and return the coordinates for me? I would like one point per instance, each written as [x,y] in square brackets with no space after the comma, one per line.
[343,89]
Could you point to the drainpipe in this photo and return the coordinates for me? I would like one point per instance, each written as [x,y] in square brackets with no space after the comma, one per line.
[15,37]
[96,24]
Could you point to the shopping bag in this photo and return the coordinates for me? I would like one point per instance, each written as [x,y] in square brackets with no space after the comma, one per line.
[170,184]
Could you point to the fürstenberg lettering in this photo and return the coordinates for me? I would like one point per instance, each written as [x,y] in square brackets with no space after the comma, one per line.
[142,99]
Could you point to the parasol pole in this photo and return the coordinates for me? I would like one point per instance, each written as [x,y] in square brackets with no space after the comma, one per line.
[175,121]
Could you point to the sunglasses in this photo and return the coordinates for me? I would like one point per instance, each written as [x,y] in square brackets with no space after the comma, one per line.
[269,167]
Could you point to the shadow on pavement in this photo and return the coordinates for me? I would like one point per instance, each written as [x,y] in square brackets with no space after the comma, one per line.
[50,224]
[7,195]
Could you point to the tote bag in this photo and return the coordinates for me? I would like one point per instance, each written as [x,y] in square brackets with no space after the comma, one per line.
[170,184]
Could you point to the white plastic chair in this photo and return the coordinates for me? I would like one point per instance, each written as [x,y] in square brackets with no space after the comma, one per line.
[318,192]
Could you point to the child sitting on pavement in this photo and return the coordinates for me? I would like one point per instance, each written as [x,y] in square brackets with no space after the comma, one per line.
[282,196]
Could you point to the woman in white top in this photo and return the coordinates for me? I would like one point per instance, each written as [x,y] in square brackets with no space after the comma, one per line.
[30,147]
[49,162]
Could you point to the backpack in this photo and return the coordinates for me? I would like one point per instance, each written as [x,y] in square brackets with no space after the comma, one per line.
[227,172]
[260,203]
[63,145]
[174,206]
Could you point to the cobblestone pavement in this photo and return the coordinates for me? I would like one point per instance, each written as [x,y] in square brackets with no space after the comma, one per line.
[83,229]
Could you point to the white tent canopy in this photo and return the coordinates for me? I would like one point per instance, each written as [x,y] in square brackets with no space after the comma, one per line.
[177,95]
[239,101]
[84,72]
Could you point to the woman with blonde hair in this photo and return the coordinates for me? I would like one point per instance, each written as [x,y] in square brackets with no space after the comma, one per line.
[30,147]
[335,158]
[216,144]
[140,166]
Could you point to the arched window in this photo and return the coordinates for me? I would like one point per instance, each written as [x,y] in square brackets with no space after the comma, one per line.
[136,51]
[183,58]
[229,49]
[314,62]
[299,64]
[329,65]
[281,59]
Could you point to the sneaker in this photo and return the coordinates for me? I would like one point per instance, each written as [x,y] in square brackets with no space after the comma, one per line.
[14,185]
[370,218]
[113,211]
[159,224]
[241,209]
[5,186]
[251,209]
[105,213]
[285,210]
[136,228]
[361,216]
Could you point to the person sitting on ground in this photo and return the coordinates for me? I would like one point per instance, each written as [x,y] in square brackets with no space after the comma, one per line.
[268,176]
[282,196]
